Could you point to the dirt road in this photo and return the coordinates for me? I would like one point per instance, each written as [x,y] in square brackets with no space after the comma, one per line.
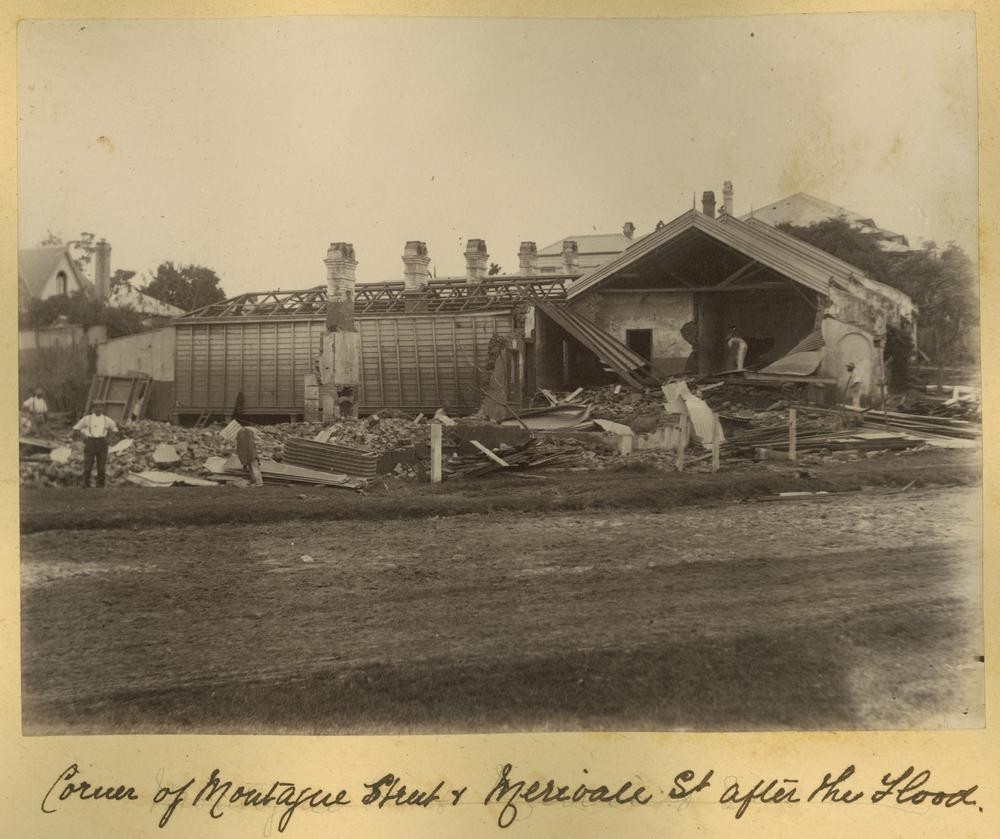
[852,612]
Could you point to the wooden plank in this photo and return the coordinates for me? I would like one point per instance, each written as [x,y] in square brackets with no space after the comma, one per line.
[295,352]
[243,354]
[399,362]
[208,371]
[437,379]
[792,435]
[682,439]
[381,369]
[362,384]
[454,362]
[275,395]
[225,364]
[416,353]
[436,451]
[573,395]
[488,453]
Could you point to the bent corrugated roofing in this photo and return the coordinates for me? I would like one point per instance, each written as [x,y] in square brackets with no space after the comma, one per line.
[615,355]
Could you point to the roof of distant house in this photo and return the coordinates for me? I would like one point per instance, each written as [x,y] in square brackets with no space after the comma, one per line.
[135,299]
[590,243]
[36,265]
[803,210]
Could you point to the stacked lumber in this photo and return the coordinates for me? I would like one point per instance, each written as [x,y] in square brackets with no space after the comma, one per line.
[530,455]
[922,426]
[330,457]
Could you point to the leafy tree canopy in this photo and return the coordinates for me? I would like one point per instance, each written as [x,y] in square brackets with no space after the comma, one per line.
[83,310]
[187,286]
[942,283]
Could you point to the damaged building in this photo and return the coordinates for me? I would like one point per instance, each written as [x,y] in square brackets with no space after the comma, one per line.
[662,306]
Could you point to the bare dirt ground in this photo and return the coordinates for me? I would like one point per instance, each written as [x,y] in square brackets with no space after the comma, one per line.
[856,611]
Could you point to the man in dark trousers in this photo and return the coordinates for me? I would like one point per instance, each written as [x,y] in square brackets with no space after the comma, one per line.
[95,428]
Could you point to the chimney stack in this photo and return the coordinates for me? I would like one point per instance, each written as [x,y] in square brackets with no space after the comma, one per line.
[727,197]
[628,229]
[569,255]
[475,260]
[102,270]
[341,267]
[527,258]
[708,203]
[416,260]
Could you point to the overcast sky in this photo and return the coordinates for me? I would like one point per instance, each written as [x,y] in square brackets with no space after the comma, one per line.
[249,145]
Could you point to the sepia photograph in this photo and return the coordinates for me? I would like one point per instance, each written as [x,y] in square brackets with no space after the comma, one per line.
[389,376]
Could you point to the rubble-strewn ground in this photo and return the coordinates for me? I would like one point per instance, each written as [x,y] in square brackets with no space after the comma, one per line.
[629,484]
[845,612]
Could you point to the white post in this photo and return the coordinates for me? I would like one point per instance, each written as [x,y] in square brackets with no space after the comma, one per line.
[682,439]
[435,452]
[793,421]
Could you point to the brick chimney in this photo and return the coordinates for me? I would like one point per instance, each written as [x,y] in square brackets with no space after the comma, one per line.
[527,257]
[102,270]
[727,197]
[416,260]
[339,361]
[569,255]
[708,203]
[341,267]
[628,229]
[475,260]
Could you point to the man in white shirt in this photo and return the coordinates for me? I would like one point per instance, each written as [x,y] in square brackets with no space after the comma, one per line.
[95,428]
[736,350]
[38,411]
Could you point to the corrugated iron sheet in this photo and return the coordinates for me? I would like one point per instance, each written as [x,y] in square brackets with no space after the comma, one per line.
[330,457]
[627,363]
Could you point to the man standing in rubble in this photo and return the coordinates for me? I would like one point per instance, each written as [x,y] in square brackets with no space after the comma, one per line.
[736,350]
[95,428]
[246,451]
[37,410]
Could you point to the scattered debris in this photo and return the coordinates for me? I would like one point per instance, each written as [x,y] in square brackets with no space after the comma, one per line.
[121,445]
[156,478]
[165,455]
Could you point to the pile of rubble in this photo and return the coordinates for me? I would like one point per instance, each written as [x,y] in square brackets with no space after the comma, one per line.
[639,410]
[184,450]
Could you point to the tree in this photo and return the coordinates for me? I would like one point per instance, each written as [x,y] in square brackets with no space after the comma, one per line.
[942,284]
[83,310]
[187,286]
[81,250]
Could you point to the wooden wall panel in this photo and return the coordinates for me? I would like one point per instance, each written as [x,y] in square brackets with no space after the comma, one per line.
[408,362]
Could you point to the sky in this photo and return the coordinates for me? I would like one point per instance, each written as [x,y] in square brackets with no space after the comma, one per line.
[249,145]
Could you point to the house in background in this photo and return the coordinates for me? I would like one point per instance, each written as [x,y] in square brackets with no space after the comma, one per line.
[578,254]
[124,295]
[48,272]
[803,210]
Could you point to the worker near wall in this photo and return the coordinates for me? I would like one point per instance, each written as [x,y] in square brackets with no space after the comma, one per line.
[37,410]
[246,451]
[95,429]
[736,350]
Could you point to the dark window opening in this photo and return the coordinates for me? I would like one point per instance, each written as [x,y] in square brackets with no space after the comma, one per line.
[640,341]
